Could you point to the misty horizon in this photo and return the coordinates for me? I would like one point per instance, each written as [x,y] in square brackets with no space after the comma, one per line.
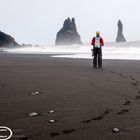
[37,22]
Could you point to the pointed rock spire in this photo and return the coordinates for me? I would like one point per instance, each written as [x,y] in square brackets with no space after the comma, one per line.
[120,36]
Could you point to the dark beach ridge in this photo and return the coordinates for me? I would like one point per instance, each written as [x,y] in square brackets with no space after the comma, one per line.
[88,103]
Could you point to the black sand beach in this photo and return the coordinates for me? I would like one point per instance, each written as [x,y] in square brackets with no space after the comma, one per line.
[88,103]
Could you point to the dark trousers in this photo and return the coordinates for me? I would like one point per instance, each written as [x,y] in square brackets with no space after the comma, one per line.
[97,57]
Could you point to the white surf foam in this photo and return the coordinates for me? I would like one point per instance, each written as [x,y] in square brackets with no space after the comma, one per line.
[124,51]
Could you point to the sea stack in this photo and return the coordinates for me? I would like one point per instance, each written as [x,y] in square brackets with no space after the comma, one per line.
[68,35]
[120,36]
[7,41]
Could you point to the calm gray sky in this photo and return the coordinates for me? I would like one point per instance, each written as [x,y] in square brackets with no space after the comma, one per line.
[37,21]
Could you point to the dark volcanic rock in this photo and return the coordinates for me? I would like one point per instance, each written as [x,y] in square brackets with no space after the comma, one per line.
[68,34]
[120,36]
[7,40]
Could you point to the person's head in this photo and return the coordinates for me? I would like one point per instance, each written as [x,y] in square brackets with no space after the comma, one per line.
[97,33]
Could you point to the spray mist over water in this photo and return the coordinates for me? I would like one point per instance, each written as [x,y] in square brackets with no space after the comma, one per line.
[124,51]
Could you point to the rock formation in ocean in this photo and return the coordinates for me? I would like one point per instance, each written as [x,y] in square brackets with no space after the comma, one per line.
[68,35]
[120,36]
[7,40]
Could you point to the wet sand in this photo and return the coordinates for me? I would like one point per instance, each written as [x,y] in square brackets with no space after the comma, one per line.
[88,103]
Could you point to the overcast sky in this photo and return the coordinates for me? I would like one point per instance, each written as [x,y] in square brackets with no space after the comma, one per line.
[38,21]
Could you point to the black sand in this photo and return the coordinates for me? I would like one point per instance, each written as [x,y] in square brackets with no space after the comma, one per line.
[88,102]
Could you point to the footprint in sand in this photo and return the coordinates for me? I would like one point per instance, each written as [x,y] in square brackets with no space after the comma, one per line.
[54,134]
[2,85]
[123,111]
[93,119]
[123,76]
[107,112]
[135,84]
[98,117]
[137,97]
[133,79]
[68,131]
[127,103]
[87,121]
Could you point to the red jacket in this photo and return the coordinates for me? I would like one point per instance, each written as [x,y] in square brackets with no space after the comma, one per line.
[101,41]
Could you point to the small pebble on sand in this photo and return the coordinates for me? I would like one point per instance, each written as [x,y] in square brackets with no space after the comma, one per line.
[115,130]
[33,114]
[51,121]
[51,111]
[35,93]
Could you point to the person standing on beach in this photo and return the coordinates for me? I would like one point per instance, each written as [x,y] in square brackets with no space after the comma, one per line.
[97,43]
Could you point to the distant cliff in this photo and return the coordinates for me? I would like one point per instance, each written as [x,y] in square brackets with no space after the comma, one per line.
[7,40]
[120,36]
[68,34]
